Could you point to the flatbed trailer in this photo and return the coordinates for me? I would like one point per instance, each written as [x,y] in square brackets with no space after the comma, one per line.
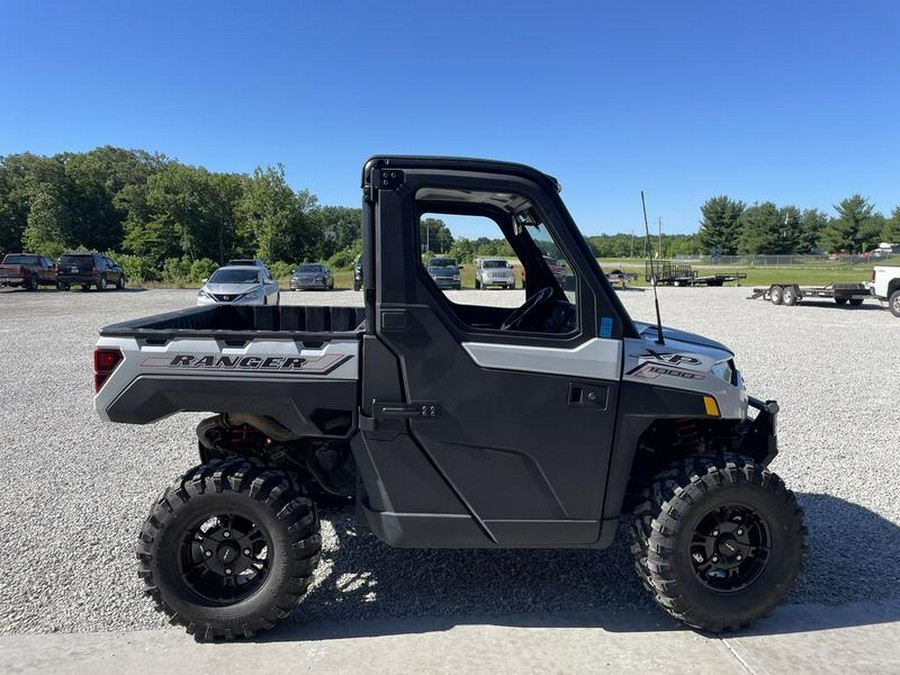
[670,273]
[791,294]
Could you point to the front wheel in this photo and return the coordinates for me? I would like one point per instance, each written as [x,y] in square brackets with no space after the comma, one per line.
[776,295]
[101,284]
[894,303]
[229,549]
[31,284]
[718,543]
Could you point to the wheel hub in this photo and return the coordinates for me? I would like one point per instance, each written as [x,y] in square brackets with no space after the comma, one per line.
[730,548]
[225,559]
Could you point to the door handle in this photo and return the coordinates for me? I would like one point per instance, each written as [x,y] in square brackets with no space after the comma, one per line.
[588,395]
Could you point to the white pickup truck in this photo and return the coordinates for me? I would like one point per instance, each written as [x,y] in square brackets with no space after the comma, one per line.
[885,285]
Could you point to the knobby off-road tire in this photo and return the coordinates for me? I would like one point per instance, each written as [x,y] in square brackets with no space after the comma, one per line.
[733,512]
[894,303]
[229,549]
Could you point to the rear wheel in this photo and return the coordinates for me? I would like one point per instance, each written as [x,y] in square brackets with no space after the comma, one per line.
[789,296]
[719,543]
[85,287]
[101,284]
[894,303]
[841,301]
[356,285]
[856,302]
[31,284]
[776,295]
[62,286]
[120,282]
[229,549]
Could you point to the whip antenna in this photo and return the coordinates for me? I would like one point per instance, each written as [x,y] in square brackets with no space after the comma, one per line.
[659,330]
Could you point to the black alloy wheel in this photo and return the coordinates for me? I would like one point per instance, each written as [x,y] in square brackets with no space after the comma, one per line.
[730,548]
[225,558]
[718,542]
[230,548]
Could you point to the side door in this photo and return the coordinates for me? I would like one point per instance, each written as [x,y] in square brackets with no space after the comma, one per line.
[517,421]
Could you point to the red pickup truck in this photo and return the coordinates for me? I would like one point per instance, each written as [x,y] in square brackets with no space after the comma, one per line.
[27,270]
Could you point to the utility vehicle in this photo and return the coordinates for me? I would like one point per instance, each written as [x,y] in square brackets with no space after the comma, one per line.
[448,424]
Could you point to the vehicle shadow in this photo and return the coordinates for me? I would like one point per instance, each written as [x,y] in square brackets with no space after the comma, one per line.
[365,588]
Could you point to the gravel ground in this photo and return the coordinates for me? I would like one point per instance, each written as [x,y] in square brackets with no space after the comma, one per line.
[77,489]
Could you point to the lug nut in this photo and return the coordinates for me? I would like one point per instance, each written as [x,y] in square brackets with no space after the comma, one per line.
[226,534]
[715,533]
[208,554]
[715,558]
[739,557]
[227,570]
[740,532]
[247,551]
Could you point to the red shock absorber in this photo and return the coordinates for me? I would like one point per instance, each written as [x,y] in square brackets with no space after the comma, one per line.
[244,439]
[687,434]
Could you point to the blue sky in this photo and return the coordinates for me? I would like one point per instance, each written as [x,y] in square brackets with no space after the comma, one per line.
[795,102]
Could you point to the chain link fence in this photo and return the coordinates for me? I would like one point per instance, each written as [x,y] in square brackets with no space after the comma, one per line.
[828,261]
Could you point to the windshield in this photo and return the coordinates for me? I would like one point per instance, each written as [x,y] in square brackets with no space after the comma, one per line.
[310,269]
[234,276]
[495,264]
[21,260]
[442,262]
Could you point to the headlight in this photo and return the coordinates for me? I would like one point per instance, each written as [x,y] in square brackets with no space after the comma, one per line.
[204,294]
[455,277]
[724,370]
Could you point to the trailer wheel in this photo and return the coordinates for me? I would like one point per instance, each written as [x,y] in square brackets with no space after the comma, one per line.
[719,542]
[894,303]
[789,296]
[856,302]
[229,549]
[841,301]
[776,295]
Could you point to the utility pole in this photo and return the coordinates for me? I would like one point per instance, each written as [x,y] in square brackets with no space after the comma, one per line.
[632,244]
[659,238]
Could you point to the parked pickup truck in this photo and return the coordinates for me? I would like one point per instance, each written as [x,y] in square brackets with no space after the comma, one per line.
[448,424]
[27,270]
[885,285]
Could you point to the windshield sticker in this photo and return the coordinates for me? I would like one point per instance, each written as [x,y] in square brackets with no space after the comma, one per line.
[606,326]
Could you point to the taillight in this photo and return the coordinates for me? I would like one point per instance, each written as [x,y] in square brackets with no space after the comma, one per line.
[105,362]
[93,271]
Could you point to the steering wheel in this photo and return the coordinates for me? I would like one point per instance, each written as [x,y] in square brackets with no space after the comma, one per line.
[516,318]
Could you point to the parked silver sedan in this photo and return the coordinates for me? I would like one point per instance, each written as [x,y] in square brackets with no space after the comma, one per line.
[239,285]
[312,275]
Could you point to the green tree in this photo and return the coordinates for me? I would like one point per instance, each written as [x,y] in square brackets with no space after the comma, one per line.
[891,231]
[856,228]
[812,223]
[462,249]
[273,219]
[720,226]
[435,236]
[334,228]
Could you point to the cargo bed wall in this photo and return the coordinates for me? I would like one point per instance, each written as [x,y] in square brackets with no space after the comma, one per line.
[239,318]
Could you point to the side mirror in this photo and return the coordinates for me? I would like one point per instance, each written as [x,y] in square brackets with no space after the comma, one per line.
[460,266]
[204,280]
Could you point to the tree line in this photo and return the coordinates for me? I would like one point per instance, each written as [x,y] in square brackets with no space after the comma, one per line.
[165,220]
[731,227]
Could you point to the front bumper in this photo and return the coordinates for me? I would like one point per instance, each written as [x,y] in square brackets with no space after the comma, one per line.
[760,435]
[447,283]
[308,284]
[12,281]
[252,300]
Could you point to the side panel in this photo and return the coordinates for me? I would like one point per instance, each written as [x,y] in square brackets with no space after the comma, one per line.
[311,391]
